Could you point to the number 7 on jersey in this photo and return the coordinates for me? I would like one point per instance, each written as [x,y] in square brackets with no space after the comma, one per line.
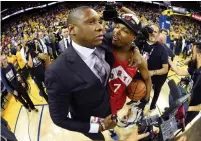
[117,87]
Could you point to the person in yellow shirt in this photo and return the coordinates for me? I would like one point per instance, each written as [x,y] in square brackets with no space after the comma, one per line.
[23,69]
[20,61]
[12,58]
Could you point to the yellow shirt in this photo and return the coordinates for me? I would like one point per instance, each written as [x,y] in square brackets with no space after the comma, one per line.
[13,59]
[20,60]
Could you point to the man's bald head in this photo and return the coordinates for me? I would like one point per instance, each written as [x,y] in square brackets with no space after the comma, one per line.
[84,21]
[76,14]
[154,37]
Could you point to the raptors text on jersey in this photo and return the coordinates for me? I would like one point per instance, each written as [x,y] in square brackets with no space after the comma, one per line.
[120,77]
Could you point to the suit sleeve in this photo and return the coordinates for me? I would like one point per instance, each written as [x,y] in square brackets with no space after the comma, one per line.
[59,100]
[4,122]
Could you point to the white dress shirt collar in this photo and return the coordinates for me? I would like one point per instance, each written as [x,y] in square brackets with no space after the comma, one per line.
[84,52]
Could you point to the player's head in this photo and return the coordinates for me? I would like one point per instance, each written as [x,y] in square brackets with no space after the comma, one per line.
[85,27]
[125,30]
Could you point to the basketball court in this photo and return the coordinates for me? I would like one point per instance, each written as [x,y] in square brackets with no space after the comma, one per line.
[32,126]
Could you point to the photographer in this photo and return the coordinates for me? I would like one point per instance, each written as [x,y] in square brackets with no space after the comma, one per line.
[11,81]
[194,70]
[35,58]
[44,49]
[157,59]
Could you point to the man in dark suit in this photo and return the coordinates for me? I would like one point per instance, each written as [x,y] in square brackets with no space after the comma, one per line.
[77,80]
[64,43]
[6,134]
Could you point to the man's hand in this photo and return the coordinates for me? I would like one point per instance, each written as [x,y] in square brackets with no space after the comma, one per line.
[19,78]
[42,56]
[135,137]
[15,93]
[108,122]
[151,73]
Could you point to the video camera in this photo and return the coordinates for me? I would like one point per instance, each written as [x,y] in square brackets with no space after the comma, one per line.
[110,10]
[31,48]
[169,122]
[143,36]
[110,13]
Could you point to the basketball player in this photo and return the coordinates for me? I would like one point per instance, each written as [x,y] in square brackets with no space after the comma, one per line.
[124,34]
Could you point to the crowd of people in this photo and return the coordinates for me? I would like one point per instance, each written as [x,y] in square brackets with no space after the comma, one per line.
[31,48]
[26,27]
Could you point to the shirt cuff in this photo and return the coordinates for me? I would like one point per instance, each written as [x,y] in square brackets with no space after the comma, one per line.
[94,128]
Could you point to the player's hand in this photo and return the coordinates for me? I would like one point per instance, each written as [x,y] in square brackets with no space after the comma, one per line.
[15,93]
[135,137]
[109,123]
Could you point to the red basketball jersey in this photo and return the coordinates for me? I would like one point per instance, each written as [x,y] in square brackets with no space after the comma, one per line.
[120,77]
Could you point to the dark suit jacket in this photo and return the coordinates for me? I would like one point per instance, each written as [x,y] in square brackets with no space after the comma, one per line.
[5,132]
[61,46]
[72,85]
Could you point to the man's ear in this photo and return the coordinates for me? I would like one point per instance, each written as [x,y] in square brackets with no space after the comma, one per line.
[134,37]
[72,29]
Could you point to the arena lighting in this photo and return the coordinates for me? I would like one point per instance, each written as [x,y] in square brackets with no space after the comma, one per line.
[17,12]
[5,17]
[51,3]
[4,10]
[42,6]
[156,3]
[28,9]
[36,7]
[147,1]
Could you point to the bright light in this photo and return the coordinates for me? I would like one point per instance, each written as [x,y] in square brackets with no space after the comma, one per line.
[51,3]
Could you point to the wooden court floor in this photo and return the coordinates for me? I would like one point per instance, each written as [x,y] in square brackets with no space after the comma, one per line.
[39,126]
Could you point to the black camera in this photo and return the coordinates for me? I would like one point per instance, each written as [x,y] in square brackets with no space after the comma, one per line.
[110,11]
[143,36]
[31,47]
